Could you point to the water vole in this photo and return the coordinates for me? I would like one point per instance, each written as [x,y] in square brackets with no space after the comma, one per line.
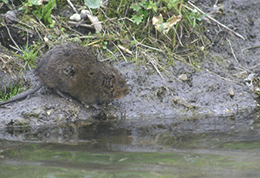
[74,70]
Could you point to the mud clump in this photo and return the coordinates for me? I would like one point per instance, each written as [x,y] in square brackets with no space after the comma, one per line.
[74,70]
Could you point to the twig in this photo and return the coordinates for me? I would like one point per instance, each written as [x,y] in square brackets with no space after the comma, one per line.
[178,36]
[90,37]
[120,51]
[251,47]
[17,49]
[25,24]
[138,43]
[66,26]
[234,54]
[93,43]
[125,49]
[42,25]
[152,39]
[75,10]
[113,55]
[38,34]
[123,18]
[10,34]
[107,18]
[220,76]
[152,61]
[14,26]
[215,20]
[82,25]
[254,66]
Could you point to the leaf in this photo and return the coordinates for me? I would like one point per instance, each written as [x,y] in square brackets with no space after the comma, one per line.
[158,22]
[137,18]
[95,22]
[144,3]
[93,4]
[38,14]
[152,5]
[145,13]
[46,11]
[165,27]
[133,42]
[135,7]
[50,20]
[5,1]
[35,2]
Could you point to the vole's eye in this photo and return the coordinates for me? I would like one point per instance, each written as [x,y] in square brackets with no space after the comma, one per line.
[121,84]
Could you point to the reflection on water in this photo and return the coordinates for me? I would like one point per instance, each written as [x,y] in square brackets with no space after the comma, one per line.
[202,147]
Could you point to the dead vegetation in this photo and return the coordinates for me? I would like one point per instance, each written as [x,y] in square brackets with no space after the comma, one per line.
[141,31]
[121,31]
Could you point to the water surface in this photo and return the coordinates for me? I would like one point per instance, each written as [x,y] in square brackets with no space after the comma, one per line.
[205,147]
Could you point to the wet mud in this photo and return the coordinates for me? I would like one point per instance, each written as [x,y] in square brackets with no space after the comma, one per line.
[218,89]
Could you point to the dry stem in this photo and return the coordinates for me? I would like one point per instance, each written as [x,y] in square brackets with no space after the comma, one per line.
[215,20]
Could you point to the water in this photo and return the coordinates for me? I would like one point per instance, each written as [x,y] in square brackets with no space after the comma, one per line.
[202,147]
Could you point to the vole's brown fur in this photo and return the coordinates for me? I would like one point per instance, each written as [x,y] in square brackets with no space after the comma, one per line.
[72,69]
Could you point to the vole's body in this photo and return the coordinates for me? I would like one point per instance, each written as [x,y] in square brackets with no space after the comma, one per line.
[74,70]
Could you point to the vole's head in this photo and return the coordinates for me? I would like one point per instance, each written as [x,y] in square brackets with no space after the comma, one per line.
[116,84]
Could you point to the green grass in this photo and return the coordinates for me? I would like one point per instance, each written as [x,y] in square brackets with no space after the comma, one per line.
[14,90]
[29,55]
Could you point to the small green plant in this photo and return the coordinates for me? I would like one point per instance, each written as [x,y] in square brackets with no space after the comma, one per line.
[193,17]
[5,1]
[29,55]
[46,12]
[142,10]
[14,90]
[164,25]
[172,3]
[27,6]
[104,45]
[43,12]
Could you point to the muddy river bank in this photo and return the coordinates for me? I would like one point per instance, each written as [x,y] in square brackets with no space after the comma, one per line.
[196,123]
